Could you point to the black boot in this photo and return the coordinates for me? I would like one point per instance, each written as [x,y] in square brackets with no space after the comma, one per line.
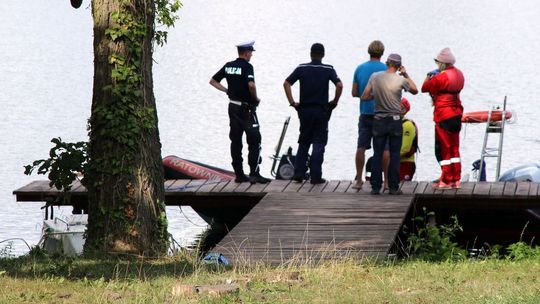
[317,181]
[239,172]
[297,178]
[240,178]
[257,178]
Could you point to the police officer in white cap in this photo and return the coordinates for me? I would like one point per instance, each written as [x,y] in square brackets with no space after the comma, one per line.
[243,102]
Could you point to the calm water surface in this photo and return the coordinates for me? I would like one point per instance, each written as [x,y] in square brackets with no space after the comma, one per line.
[46,73]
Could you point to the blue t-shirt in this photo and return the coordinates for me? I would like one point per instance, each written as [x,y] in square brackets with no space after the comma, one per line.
[361,77]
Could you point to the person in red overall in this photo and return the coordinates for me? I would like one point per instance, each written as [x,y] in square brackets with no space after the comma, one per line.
[444,86]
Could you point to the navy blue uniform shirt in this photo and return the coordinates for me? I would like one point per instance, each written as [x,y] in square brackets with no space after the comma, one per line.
[314,78]
[238,74]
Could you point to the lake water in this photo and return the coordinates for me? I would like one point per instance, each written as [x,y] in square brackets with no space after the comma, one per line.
[46,70]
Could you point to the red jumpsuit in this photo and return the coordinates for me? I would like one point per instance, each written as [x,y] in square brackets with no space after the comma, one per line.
[444,88]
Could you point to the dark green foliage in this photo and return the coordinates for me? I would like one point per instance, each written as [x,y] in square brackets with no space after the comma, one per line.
[65,162]
[431,242]
[165,16]
[520,251]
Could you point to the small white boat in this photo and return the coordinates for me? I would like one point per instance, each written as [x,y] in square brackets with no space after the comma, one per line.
[524,173]
[65,236]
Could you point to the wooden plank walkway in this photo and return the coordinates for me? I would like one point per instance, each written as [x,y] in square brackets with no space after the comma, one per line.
[195,192]
[306,227]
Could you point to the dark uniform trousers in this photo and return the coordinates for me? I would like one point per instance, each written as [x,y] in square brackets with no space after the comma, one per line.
[386,130]
[313,131]
[244,119]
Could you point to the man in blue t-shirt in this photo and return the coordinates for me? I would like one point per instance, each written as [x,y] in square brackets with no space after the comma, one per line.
[367,107]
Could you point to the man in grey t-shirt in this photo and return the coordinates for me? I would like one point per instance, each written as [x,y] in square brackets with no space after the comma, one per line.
[386,88]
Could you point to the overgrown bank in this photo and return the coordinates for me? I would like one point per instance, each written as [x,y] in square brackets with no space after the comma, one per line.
[43,279]
[431,269]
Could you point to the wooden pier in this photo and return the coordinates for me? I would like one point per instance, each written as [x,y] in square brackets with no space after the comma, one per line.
[299,227]
[286,221]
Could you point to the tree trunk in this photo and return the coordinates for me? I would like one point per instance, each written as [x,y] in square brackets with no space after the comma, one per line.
[126,211]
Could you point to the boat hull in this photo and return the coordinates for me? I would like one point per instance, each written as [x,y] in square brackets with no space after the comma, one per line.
[180,168]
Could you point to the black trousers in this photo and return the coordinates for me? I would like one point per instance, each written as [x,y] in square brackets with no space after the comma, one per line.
[244,119]
[313,132]
[386,130]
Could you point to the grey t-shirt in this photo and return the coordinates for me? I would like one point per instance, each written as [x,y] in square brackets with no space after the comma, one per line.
[386,89]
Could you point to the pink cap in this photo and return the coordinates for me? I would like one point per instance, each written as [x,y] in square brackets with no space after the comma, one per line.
[446,56]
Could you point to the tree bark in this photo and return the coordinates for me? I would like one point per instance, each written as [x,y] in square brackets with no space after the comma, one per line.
[126,211]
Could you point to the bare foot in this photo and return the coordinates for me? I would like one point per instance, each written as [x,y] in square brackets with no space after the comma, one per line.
[358,185]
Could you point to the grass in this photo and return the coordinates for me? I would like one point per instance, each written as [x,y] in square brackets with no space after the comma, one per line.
[44,279]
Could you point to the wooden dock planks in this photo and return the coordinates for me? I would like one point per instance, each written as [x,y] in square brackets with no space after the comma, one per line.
[180,189]
[313,225]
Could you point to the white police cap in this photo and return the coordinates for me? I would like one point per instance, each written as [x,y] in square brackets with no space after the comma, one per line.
[246,46]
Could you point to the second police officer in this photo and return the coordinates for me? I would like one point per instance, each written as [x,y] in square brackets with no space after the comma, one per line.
[313,111]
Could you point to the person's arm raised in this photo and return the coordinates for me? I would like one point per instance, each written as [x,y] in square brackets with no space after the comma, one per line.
[412,86]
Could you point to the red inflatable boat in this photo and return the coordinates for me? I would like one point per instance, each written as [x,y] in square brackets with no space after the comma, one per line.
[179,168]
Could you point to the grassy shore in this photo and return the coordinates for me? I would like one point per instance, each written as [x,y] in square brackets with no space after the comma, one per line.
[63,280]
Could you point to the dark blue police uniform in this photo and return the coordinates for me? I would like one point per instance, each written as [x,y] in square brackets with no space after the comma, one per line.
[313,113]
[242,114]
